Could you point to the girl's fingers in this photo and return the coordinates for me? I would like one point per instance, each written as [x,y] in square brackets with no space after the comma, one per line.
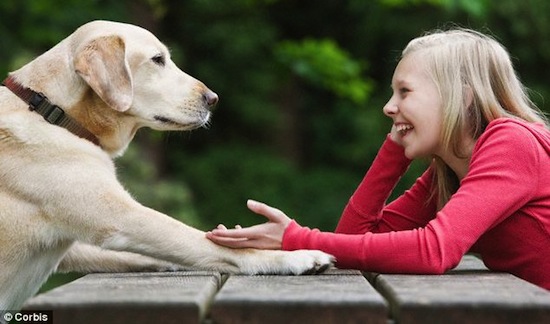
[239,243]
[232,242]
[229,242]
[239,233]
[272,214]
[222,227]
[262,236]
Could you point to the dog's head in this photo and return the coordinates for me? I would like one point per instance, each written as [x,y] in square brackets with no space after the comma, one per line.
[131,71]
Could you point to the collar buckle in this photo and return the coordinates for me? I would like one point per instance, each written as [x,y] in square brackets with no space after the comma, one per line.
[36,100]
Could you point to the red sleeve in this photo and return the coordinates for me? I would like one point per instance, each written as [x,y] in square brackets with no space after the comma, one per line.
[366,210]
[504,158]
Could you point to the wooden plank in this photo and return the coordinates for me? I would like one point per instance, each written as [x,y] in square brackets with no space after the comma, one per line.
[467,294]
[334,297]
[470,263]
[169,297]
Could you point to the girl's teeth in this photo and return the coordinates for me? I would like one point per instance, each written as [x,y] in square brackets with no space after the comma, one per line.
[404,128]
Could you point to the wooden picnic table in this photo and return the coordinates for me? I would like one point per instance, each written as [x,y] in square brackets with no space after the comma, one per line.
[468,294]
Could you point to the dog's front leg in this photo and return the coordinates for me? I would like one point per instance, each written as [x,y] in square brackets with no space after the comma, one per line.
[145,231]
[85,258]
[105,215]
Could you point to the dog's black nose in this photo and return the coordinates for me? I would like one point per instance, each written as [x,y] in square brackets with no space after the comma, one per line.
[211,98]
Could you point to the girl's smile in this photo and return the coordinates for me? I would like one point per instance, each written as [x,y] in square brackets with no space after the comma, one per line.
[403,129]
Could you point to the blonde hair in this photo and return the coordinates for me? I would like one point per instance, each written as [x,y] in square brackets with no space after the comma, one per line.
[468,66]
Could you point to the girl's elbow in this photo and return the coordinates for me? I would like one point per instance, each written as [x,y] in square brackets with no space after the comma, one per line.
[444,265]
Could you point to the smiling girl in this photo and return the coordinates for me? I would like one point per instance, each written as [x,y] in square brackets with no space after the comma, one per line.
[457,100]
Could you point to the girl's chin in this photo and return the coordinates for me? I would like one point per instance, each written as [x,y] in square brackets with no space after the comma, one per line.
[411,153]
[410,156]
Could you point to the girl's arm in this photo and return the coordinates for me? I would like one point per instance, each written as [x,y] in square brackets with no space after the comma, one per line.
[367,211]
[502,178]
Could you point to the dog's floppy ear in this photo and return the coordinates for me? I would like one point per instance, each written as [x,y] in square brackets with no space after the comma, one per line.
[102,64]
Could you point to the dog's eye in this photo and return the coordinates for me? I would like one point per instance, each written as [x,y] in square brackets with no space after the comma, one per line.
[159,59]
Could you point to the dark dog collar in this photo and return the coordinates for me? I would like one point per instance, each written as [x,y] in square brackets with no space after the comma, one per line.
[53,114]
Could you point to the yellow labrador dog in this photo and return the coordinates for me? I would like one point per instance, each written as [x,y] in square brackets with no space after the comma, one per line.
[63,117]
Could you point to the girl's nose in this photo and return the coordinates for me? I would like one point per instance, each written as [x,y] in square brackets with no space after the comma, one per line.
[390,109]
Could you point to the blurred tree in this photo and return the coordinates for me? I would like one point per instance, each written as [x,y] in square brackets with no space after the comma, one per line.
[324,64]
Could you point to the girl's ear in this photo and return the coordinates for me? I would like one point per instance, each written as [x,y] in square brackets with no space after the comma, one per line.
[102,64]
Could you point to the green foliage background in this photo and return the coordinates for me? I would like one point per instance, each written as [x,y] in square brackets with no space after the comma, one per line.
[302,86]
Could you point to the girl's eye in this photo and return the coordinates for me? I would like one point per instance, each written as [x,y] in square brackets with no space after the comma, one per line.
[404,91]
[159,59]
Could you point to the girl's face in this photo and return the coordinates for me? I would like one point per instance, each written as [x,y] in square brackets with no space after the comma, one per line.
[416,108]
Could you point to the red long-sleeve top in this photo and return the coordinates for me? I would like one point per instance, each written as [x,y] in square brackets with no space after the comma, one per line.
[501,211]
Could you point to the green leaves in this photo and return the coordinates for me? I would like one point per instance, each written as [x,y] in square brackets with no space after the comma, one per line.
[324,64]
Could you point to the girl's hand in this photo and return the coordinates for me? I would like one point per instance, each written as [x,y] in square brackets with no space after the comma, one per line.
[268,235]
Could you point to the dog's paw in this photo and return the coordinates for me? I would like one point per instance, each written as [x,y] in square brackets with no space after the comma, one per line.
[304,262]
[300,262]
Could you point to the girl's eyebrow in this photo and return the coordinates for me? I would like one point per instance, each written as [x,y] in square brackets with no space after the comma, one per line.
[399,83]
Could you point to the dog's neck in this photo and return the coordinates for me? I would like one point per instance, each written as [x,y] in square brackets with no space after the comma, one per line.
[52,113]
[114,129]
